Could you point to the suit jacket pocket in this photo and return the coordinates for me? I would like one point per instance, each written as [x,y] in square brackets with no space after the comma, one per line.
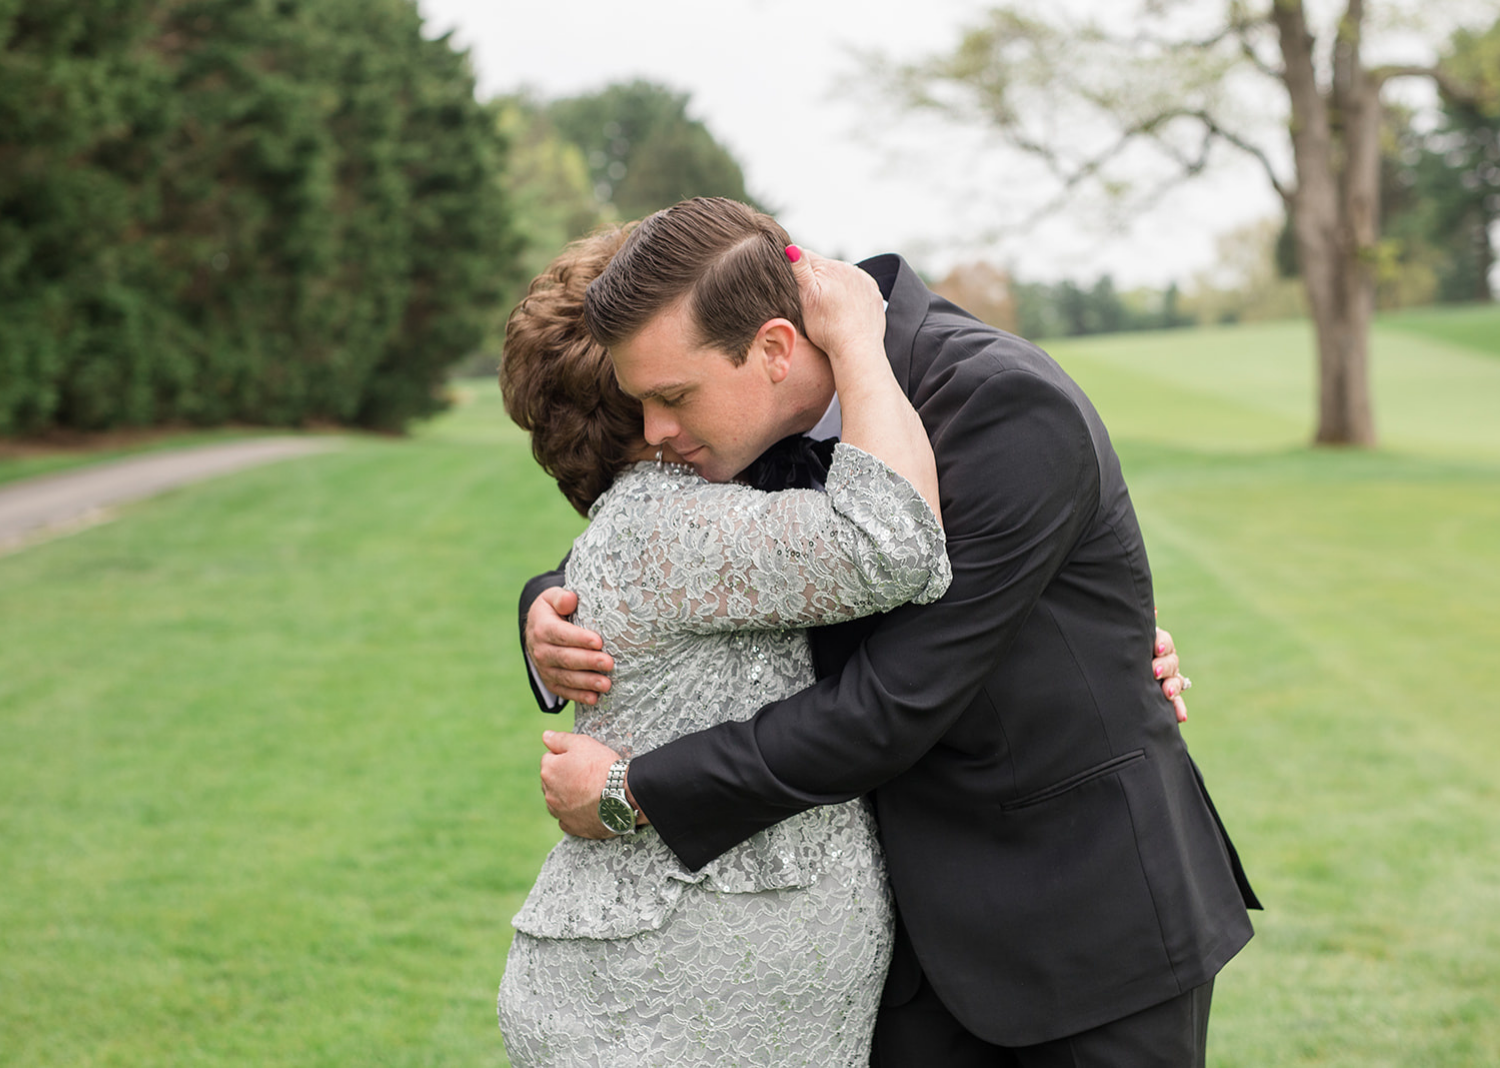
[1072,782]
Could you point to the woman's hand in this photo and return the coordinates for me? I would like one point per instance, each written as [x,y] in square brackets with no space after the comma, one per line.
[843,314]
[1168,671]
[842,310]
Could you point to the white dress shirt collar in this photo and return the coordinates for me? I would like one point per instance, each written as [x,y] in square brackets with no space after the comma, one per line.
[832,423]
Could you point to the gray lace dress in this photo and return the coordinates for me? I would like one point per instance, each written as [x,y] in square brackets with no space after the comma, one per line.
[775,953]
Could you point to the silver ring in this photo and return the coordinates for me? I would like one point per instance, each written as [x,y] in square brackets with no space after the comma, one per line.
[1187,683]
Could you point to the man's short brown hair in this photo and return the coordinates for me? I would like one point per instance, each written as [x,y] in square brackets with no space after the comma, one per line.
[726,259]
[558,383]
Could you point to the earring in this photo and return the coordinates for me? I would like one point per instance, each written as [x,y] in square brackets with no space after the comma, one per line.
[658,457]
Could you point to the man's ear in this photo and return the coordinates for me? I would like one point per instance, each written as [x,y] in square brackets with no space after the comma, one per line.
[776,341]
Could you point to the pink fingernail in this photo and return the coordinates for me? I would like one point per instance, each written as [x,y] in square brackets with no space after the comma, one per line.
[1156,671]
[793,253]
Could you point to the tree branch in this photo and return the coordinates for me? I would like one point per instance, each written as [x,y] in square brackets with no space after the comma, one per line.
[1214,130]
[1447,85]
[1238,29]
[1242,23]
[1071,177]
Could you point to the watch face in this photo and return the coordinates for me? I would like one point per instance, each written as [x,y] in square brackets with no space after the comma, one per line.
[616,814]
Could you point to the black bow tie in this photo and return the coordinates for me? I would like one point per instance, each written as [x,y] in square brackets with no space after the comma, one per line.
[797,462]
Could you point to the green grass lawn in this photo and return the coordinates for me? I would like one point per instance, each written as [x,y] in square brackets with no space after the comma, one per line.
[268,772]
[267,755]
[1339,613]
[1475,326]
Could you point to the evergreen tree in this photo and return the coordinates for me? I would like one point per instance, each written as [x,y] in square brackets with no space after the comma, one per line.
[271,211]
[1460,174]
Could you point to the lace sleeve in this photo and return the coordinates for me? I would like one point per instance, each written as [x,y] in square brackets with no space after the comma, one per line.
[726,557]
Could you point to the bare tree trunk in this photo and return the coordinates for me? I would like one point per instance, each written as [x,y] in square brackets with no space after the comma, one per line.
[1484,256]
[1334,204]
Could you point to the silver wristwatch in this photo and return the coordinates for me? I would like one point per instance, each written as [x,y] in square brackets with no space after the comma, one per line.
[614,810]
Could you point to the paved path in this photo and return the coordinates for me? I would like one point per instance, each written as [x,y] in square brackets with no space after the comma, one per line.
[34,509]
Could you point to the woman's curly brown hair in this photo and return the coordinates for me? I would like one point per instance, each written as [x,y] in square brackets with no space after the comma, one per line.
[558,383]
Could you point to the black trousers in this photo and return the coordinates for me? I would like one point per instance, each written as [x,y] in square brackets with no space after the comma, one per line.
[923,1032]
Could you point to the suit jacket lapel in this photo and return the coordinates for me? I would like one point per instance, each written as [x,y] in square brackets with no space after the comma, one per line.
[907,307]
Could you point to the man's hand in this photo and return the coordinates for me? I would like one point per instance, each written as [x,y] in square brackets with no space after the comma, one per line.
[569,660]
[1166,668]
[573,773]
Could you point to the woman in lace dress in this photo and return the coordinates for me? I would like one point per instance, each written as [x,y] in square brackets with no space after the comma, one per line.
[775,953]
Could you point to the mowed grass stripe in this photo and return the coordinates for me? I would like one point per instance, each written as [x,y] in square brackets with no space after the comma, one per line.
[1475,327]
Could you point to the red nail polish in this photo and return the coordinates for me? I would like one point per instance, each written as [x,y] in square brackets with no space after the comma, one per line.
[793,253]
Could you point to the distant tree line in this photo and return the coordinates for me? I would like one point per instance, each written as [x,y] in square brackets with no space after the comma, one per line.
[1038,310]
[271,211]
[1067,309]
[612,155]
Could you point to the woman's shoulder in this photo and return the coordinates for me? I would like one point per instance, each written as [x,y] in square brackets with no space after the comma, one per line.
[649,483]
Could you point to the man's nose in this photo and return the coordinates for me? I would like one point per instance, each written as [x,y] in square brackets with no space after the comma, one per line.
[659,426]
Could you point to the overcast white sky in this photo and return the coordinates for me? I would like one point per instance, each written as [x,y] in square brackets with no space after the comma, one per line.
[844,178]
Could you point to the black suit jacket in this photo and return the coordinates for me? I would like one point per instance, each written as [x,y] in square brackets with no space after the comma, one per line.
[1056,860]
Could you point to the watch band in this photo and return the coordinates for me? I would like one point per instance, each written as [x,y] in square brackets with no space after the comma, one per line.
[615,811]
[615,781]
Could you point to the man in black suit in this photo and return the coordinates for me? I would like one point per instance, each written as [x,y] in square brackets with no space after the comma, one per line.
[1066,891]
